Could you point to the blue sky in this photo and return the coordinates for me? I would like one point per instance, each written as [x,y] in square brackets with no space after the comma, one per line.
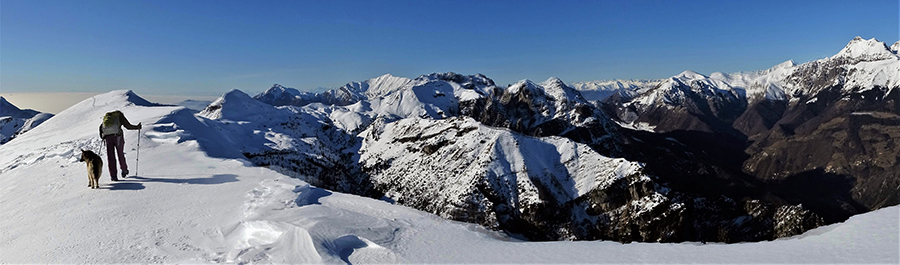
[209,47]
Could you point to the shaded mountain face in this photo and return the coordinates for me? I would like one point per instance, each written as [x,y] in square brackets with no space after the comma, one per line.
[554,188]
[821,133]
[15,121]
[849,137]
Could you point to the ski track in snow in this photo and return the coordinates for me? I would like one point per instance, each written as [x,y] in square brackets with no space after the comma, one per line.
[186,206]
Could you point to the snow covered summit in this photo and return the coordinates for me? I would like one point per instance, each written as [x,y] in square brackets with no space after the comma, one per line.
[281,95]
[240,107]
[865,50]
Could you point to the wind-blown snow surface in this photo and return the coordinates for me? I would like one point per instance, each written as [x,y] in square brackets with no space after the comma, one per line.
[191,203]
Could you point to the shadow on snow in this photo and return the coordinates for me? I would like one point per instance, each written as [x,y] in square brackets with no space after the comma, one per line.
[125,186]
[214,179]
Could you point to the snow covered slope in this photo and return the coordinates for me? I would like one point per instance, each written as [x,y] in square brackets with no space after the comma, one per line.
[291,139]
[190,203]
[15,121]
[462,170]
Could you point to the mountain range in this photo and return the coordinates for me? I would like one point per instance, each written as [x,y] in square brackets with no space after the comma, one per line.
[194,197]
[725,157]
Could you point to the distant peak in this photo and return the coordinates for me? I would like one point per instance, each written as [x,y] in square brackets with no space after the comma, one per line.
[688,74]
[554,83]
[234,92]
[278,87]
[523,82]
[785,64]
[896,47]
[6,107]
[277,90]
[517,86]
[133,98]
[554,80]
[388,78]
[865,50]
[859,39]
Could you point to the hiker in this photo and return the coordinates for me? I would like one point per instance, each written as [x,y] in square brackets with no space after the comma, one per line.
[111,133]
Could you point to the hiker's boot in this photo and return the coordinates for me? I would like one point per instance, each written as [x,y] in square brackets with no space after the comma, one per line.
[124,173]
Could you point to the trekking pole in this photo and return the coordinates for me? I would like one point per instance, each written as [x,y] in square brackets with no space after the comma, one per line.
[137,163]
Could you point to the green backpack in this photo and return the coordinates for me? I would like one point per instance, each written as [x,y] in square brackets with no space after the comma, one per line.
[111,123]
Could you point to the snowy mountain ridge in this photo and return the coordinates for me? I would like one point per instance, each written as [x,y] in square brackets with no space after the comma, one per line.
[345,95]
[599,90]
[865,50]
[792,122]
[860,66]
[492,141]
[193,204]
